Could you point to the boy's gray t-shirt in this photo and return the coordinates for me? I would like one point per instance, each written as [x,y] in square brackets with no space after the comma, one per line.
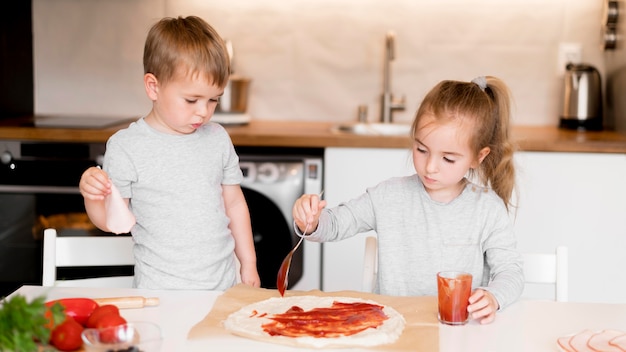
[418,237]
[174,182]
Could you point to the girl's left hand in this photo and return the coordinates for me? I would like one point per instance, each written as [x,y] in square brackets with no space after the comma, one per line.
[483,306]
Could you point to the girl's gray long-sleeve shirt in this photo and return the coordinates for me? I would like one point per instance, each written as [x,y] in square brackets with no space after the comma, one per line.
[418,237]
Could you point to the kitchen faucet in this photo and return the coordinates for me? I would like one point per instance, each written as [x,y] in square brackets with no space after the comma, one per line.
[388,102]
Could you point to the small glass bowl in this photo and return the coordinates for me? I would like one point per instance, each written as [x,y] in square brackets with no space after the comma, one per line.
[130,337]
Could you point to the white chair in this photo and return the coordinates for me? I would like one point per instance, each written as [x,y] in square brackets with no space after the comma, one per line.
[86,251]
[539,268]
[550,269]
[370,264]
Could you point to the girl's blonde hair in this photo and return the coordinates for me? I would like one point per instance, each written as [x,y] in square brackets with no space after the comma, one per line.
[187,46]
[487,104]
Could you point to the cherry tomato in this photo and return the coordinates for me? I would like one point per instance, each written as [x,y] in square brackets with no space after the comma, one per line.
[106,325]
[66,336]
[105,309]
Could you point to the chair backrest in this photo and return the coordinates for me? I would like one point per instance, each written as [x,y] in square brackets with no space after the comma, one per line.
[549,268]
[370,264]
[86,251]
[539,268]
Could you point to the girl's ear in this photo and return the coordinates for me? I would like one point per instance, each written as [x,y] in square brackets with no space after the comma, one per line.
[151,84]
[482,154]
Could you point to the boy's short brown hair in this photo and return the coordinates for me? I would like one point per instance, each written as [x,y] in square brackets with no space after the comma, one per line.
[186,46]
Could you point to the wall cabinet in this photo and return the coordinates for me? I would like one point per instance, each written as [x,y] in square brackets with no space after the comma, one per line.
[572,199]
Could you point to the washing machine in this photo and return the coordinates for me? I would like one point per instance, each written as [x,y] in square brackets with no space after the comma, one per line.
[271,185]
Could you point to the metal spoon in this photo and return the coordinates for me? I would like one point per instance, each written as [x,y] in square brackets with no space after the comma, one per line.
[283,273]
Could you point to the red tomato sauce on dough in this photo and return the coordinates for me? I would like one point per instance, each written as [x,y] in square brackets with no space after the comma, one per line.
[340,319]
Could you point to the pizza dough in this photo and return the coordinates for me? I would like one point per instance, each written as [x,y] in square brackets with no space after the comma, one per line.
[255,320]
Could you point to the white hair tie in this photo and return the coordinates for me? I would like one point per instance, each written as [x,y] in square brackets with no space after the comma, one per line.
[481,82]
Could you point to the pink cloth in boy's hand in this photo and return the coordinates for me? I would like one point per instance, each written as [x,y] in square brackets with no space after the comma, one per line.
[119,219]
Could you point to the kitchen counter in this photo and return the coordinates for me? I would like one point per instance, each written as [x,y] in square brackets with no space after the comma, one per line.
[261,133]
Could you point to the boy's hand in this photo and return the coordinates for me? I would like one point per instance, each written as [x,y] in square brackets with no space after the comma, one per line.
[94,184]
[250,276]
[483,306]
[307,210]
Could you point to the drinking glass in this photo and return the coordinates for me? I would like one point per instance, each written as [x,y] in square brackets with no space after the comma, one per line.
[454,289]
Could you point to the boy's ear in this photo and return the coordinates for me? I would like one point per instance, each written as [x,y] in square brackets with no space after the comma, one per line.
[151,85]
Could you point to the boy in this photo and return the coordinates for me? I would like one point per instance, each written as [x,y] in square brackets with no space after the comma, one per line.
[178,173]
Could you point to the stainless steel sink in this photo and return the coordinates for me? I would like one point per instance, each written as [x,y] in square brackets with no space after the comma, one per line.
[381,129]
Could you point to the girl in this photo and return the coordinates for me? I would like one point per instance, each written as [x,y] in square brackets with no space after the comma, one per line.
[453,213]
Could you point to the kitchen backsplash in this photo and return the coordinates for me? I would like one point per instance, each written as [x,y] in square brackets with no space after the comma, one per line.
[317,59]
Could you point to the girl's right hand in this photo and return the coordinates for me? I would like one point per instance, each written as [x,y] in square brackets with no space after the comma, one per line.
[94,184]
[307,210]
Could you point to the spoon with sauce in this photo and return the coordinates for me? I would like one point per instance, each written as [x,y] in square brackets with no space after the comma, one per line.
[283,273]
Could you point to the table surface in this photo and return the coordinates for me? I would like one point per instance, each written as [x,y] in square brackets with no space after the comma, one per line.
[528,325]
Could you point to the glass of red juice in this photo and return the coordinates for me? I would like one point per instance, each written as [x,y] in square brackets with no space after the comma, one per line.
[454,289]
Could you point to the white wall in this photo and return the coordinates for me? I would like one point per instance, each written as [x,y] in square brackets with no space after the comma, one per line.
[317,59]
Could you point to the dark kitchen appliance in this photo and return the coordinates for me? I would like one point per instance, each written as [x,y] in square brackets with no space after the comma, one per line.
[273,181]
[39,188]
[16,60]
[582,98]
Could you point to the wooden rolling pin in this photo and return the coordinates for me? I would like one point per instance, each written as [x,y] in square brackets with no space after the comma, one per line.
[129,302]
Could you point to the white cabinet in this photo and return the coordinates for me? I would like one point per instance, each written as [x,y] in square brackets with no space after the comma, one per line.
[577,200]
[573,199]
[347,174]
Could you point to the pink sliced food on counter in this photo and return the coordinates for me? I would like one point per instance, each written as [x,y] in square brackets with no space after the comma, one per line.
[578,342]
[119,218]
[619,342]
[600,341]
[608,340]
[563,343]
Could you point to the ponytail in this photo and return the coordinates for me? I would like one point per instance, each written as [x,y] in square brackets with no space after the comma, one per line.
[497,170]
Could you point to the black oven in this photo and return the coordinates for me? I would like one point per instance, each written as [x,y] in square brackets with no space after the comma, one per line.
[38,189]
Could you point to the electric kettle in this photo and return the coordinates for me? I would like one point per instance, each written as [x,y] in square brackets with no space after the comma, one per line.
[582,98]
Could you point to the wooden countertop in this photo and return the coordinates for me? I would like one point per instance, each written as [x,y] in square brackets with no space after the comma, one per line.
[263,133]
